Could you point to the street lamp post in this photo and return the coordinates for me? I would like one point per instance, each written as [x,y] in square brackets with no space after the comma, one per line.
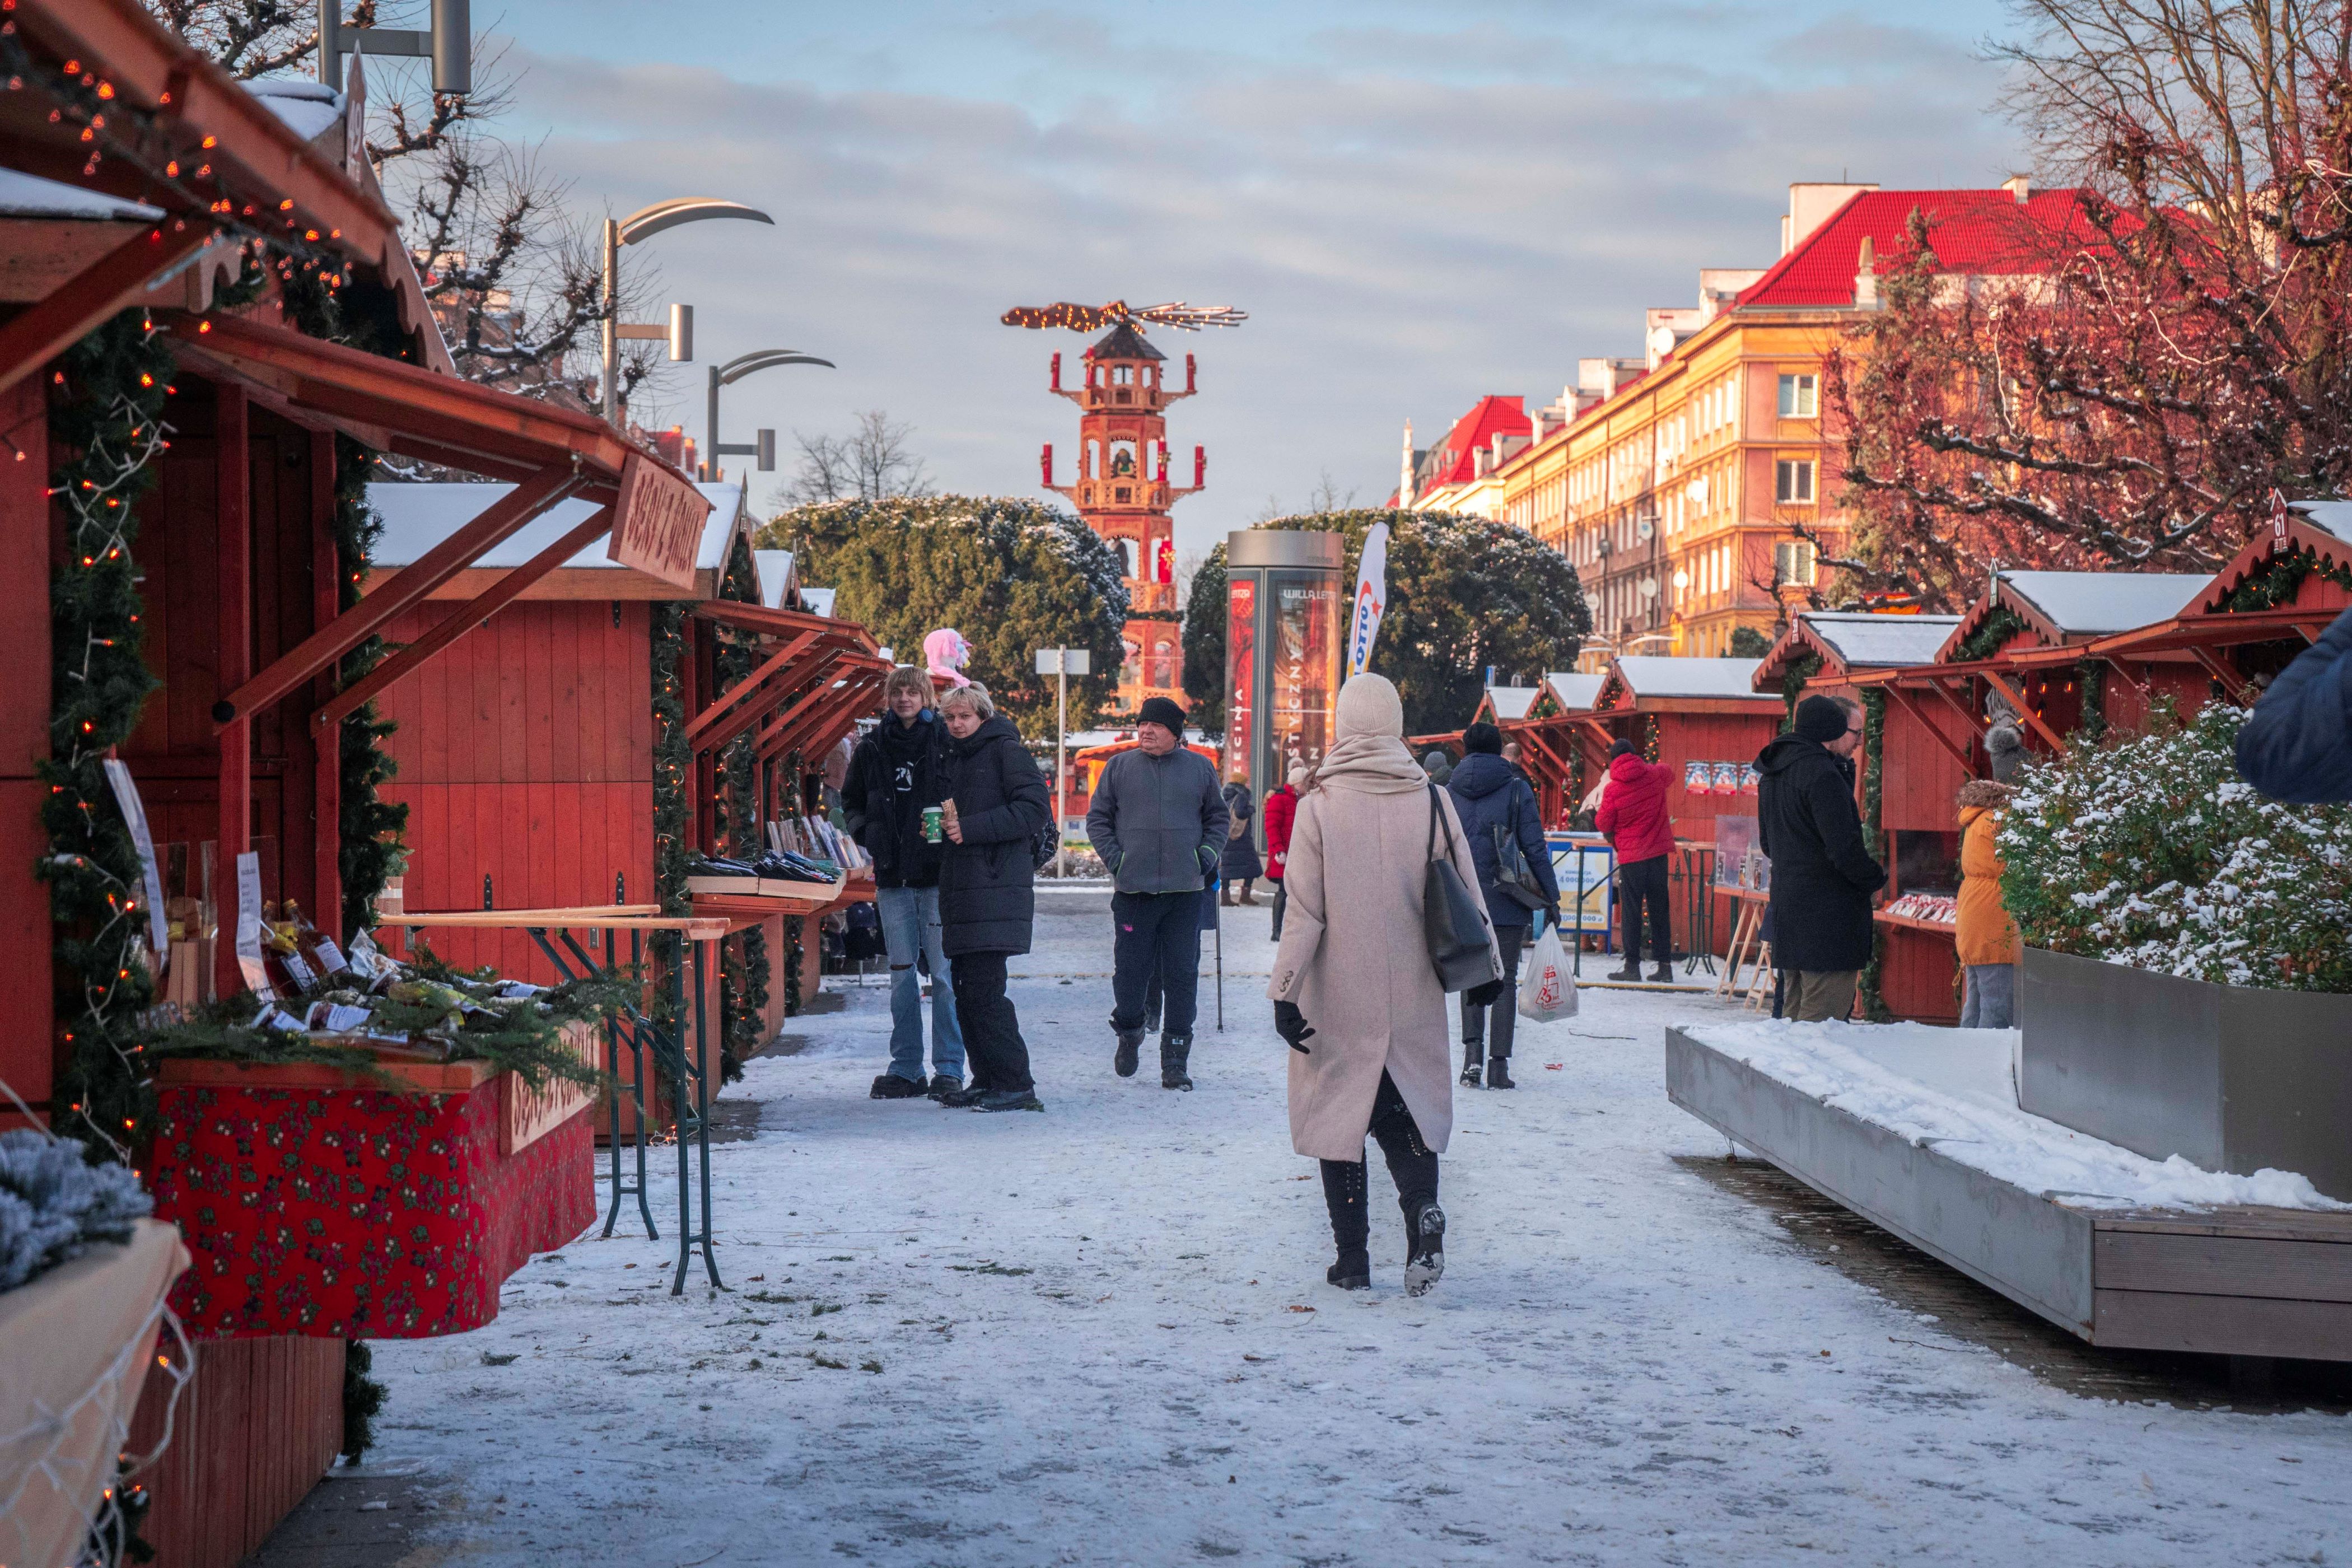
[641,224]
[764,446]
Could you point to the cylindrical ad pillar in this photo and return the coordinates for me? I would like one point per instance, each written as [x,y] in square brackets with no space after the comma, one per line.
[1286,593]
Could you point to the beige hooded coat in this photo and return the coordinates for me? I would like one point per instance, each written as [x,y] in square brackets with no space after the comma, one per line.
[1353,957]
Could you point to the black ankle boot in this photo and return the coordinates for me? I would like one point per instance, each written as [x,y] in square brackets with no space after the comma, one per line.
[1470,1052]
[1130,1047]
[1174,1051]
[1352,1272]
[1343,1194]
[1424,1257]
[1499,1073]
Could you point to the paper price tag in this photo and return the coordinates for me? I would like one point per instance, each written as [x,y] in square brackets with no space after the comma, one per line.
[248,926]
[134,816]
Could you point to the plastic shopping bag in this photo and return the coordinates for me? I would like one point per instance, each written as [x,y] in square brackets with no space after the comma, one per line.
[1547,988]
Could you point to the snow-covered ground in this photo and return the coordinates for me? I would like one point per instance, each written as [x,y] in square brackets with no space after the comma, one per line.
[1100,1335]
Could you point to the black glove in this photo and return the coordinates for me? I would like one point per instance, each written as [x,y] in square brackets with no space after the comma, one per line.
[1291,1025]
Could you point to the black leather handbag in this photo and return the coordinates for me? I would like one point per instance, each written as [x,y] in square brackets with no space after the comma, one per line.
[1451,921]
[1513,877]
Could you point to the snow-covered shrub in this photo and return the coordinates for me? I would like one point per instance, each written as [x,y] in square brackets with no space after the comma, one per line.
[2152,852]
[52,1204]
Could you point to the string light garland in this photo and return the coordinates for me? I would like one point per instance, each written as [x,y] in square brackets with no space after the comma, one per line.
[673,759]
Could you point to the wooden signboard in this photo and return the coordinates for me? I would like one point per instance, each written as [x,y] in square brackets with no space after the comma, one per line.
[658,522]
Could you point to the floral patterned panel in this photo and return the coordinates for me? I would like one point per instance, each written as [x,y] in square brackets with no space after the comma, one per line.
[357,1214]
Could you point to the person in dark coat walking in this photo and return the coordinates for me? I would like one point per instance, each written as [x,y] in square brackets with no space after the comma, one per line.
[1158,823]
[1241,862]
[1633,815]
[1497,806]
[894,773]
[2297,747]
[997,804]
[1823,872]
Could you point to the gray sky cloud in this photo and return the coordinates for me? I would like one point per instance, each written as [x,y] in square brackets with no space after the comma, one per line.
[1412,216]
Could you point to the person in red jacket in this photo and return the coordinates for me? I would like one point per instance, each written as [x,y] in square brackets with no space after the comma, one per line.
[1281,805]
[1634,816]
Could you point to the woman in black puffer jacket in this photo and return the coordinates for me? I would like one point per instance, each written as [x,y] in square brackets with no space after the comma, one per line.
[1491,794]
[996,804]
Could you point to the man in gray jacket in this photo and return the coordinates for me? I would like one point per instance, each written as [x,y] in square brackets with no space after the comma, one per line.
[1158,821]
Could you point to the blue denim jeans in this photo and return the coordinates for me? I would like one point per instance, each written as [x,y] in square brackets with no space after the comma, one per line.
[910,922]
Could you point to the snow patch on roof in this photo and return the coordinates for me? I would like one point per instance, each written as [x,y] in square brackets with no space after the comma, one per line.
[775,569]
[2334,516]
[1574,689]
[2103,602]
[817,601]
[29,195]
[1954,1086]
[1862,639]
[1661,675]
[308,108]
[1513,701]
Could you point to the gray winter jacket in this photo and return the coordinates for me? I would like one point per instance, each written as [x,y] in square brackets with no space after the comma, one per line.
[1158,823]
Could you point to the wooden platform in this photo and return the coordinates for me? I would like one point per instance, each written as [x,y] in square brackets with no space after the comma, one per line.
[2222,1281]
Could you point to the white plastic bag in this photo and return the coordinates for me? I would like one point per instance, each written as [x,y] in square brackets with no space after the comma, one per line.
[1547,988]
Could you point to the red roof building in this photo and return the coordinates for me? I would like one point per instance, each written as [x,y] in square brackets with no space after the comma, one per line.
[1474,449]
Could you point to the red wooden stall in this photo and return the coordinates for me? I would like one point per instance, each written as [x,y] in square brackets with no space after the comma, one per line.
[240,623]
[1919,757]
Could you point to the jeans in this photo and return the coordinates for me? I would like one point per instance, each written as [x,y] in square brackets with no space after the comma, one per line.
[1156,933]
[1000,1057]
[1505,1008]
[1820,996]
[911,923]
[1990,997]
[1642,882]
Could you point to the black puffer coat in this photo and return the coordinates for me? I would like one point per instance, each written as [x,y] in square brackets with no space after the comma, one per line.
[1488,793]
[1823,873]
[1241,863]
[987,902]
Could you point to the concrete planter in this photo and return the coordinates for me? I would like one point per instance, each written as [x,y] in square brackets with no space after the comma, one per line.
[2227,1077]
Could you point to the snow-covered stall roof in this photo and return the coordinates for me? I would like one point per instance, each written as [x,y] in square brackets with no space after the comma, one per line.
[1573,689]
[2334,516]
[1864,640]
[817,601]
[1664,675]
[310,109]
[416,517]
[29,195]
[2098,603]
[779,584]
[1512,701]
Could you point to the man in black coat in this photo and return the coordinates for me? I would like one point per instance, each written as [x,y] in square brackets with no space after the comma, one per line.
[2298,745]
[1823,872]
[997,804]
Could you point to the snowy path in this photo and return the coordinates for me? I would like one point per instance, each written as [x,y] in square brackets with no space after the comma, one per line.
[1103,1337]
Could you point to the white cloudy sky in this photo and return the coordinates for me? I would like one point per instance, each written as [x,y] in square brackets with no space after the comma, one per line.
[1416,205]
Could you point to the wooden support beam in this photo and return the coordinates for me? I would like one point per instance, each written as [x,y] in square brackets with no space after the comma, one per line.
[815,712]
[114,281]
[474,612]
[2233,684]
[406,588]
[233,635]
[1959,754]
[735,695]
[1976,723]
[2001,683]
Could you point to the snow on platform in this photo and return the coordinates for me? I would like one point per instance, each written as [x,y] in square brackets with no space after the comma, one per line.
[1917,1129]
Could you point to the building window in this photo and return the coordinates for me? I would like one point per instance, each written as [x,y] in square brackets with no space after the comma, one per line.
[1801,397]
[1792,481]
[1792,563]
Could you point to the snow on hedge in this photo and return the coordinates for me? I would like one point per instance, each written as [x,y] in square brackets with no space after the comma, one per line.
[2152,852]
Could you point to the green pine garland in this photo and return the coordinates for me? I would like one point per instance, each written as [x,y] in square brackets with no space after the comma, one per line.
[743,961]
[2091,682]
[106,411]
[2278,582]
[1998,626]
[673,761]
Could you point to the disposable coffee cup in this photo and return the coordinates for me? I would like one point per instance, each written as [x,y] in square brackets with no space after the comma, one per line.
[933,818]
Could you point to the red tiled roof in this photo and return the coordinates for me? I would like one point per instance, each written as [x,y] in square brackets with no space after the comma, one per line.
[1981,232]
[1490,417]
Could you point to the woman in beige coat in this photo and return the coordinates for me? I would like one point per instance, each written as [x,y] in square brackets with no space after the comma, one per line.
[1354,991]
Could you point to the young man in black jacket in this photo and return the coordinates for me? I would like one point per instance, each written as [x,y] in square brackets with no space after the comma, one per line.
[1822,871]
[894,774]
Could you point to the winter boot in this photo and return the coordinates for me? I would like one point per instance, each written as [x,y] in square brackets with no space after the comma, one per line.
[1632,973]
[890,1086]
[1425,1257]
[1474,1040]
[945,1084]
[1008,1100]
[1131,1045]
[1665,974]
[1343,1194]
[1224,896]
[1174,1051]
[961,1099]
[1247,897]
[1499,1073]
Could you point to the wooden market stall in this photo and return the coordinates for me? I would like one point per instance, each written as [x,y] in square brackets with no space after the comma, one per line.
[185,449]
[1917,756]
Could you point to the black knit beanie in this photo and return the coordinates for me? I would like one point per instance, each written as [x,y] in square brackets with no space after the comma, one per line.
[1161,711]
[1822,719]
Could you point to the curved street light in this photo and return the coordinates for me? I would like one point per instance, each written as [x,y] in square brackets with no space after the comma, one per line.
[644,224]
[763,447]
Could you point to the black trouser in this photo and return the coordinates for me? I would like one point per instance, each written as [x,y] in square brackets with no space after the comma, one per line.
[1505,1008]
[1155,934]
[1411,1163]
[992,1046]
[1642,882]
[1281,902]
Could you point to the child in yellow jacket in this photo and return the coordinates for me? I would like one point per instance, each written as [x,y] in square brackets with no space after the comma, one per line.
[1988,940]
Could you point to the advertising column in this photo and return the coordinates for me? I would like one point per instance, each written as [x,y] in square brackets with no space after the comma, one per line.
[1284,651]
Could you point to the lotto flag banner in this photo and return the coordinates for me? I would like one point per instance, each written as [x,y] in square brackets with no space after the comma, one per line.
[1371,598]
